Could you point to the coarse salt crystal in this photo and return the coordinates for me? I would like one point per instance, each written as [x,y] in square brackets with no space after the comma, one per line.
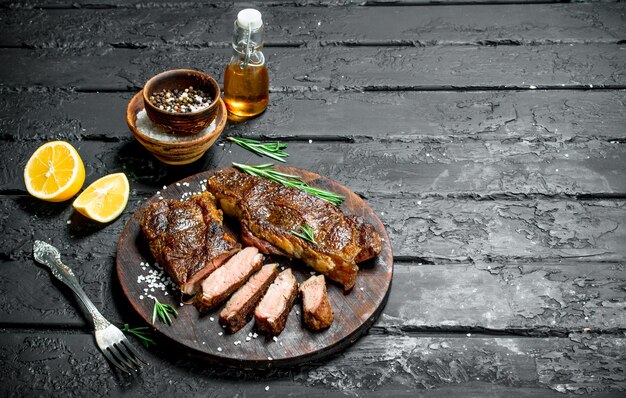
[220,333]
[219,349]
[275,338]
[211,319]
[149,129]
[267,388]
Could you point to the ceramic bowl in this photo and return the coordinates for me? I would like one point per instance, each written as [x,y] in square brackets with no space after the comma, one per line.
[180,79]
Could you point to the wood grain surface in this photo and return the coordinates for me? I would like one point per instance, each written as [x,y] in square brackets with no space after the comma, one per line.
[354,312]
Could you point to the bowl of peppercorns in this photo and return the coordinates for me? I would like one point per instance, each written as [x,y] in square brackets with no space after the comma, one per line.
[183,101]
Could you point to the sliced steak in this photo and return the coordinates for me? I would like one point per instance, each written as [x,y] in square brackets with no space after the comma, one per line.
[239,309]
[218,286]
[187,238]
[272,312]
[269,211]
[316,310]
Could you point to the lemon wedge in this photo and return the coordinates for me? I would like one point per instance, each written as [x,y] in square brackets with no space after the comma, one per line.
[105,199]
[54,172]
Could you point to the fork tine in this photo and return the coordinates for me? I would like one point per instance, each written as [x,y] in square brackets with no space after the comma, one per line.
[120,357]
[126,353]
[133,350]
[114,361]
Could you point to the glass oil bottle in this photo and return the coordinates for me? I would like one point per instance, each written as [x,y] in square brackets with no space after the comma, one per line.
[246,81]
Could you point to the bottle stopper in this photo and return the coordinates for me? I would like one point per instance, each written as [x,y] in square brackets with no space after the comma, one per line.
[249,19]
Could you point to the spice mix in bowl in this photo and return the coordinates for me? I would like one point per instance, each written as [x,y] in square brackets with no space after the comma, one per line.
[182,101]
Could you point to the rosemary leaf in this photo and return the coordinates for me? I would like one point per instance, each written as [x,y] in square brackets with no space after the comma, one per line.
[307,233]
[140,333]
[289,180]
[273,150]
[163,311]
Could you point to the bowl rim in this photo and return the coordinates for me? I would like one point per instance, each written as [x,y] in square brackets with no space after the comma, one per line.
[210,78]
[131,120]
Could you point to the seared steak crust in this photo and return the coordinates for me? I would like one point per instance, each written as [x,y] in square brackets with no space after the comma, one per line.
[316,310]
[270,211]
[187,238]
[272,312]
[240,307]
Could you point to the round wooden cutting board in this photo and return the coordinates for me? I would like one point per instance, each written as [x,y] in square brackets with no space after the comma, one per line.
[354,312]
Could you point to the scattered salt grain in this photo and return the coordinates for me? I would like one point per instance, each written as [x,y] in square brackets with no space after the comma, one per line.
[141,297]
[275,338]
[248,338]
[267,388]
[310,141]
[151,130]
[211,319]
[238,342]
[297,312]
[69,221]
[219,349]
[220,333]
[269,358]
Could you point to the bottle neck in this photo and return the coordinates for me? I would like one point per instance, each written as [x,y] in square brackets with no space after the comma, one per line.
[247,44]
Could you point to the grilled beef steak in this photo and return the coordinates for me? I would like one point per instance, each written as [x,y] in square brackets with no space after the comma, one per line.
[218,286]
[239,308]
[272,312]
[269,211]
[316,310]
[187,238]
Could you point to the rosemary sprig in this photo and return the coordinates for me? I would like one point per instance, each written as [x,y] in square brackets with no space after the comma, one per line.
[141,333]
[307,233]
[272,149]
[163,311]
[290,180]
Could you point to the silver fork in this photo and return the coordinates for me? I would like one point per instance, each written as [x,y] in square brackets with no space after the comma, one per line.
[111,341]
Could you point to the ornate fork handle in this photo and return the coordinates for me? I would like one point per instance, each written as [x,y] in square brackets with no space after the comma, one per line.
[49,256]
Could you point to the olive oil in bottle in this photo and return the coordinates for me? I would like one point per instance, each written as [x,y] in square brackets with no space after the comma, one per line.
[246,81]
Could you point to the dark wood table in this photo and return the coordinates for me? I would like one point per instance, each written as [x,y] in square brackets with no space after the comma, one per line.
[488,137]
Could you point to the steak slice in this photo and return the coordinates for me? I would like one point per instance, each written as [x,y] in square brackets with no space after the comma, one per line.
[316,310]
[269,211]
[272,312]
[218,286]
[187,238]
[239,309]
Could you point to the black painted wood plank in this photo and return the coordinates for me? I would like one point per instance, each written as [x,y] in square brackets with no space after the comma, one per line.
[536,116]
[260,4]
[431,229]
[538,299]
[459,167]
[377,365]
[420,26]
[359,68]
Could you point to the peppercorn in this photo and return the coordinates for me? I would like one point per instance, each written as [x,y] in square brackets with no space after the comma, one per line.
[181,101]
